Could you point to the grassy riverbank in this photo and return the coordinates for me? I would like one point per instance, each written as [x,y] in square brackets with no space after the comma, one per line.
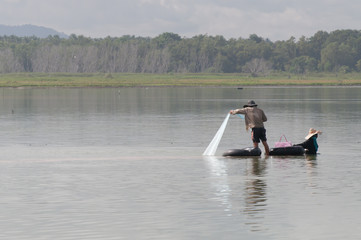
[156,80]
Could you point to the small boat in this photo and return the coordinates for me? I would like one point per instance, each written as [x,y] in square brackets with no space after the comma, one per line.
[250,151]
[287,151]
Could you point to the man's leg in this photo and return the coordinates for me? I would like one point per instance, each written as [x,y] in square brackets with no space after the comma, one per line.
[266,147]
[255,138]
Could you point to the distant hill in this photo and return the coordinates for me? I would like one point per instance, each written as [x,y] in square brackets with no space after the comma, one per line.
[29,31]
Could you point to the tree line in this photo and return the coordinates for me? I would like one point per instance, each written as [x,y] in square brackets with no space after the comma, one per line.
[337,51]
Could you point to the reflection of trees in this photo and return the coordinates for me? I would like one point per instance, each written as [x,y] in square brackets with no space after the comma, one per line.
[255,193]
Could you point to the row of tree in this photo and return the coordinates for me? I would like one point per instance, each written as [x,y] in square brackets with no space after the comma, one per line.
[335,51]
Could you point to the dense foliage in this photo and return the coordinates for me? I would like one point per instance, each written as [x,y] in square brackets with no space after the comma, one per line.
[330,52]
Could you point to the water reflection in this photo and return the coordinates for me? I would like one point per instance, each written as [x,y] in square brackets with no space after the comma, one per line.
[311,158]
[311,162]
[240,185]
[255,193]
[311,165]
[218,170]
[254,189]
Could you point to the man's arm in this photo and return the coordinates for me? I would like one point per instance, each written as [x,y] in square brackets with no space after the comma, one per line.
[238,111]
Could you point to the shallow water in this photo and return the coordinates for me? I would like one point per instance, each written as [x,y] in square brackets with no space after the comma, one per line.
[127,164]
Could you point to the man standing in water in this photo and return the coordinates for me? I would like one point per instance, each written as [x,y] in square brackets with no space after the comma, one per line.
[254,119]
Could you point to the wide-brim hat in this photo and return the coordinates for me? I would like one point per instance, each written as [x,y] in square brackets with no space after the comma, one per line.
[250,103]
[312,132]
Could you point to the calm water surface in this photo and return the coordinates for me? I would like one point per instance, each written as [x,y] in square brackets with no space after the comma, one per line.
[127,164]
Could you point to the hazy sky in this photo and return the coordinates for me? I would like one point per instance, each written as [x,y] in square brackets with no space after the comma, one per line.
[273,19]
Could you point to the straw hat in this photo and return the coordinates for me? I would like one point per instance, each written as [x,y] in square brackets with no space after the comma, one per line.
[251,103]
[312,132]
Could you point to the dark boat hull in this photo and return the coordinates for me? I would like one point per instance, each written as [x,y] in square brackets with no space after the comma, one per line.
[287,151]
[242,152]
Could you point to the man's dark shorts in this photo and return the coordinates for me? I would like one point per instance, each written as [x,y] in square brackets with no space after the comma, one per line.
[259,134]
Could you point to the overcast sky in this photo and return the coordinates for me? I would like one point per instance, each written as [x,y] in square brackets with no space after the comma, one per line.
[272,19]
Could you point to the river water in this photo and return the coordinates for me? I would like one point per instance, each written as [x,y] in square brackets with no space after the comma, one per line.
[127,163]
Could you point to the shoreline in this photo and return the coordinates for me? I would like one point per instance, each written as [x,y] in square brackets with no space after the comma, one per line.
[145,87]
[141,80]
